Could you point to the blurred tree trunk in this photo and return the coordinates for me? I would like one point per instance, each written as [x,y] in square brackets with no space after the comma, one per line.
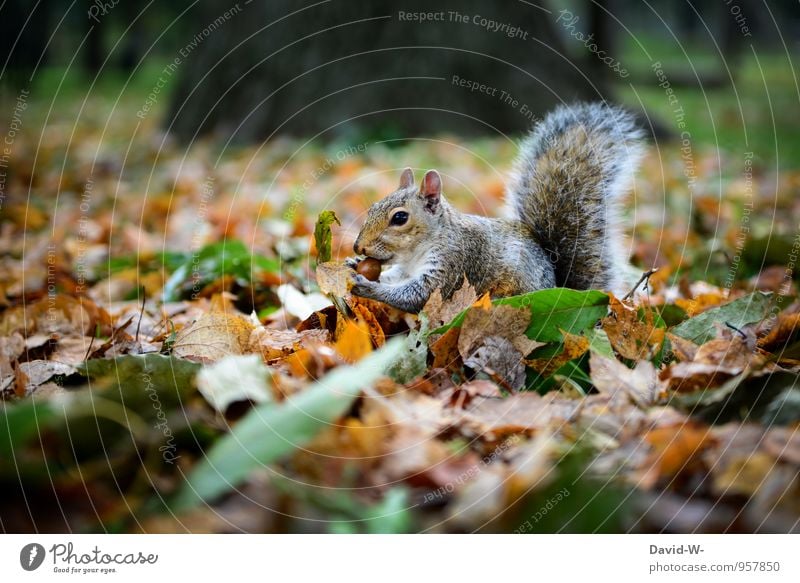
[276,67]
[24,32]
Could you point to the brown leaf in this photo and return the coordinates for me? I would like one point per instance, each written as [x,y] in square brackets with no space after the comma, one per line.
[334,278]
[640,384]
[785,329]
[629,336]
[497,357]
[276,344]
[38,372]
[485,320]
[575,346]
[11,347]
[365,315]
[682,348]
[520,413]
[674,450]
[701,302]
[440,311]
[713,363]
[213,336]
[445,350]
[72,349]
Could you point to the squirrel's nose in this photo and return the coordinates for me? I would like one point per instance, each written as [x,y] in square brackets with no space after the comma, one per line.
[359,250]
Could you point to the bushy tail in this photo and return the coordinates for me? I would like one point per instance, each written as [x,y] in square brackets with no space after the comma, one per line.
[571,171]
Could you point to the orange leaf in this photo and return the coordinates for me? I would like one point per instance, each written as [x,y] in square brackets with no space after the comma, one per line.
[675,449]
[354,341]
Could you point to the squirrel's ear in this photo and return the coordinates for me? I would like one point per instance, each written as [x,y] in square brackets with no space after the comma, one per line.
[431,189]
[407,178]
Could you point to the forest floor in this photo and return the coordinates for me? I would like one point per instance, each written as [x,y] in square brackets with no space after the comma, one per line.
[168,363]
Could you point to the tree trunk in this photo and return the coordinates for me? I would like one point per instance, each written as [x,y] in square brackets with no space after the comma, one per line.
[283,67]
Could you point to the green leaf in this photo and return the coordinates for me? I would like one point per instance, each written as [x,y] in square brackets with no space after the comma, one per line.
[739,313]
[552,310]
[134,379]
[391,515]
[19,423]
[169,260]
[271,431]
[323,235]
[229,257]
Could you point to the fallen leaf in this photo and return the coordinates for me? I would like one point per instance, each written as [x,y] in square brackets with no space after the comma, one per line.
[640,384]
[684,349]
[354,342]
[713,363]
[674,450]
[213,336]
[699,303]
[484,320]
[11,347]
[575,346]
[785,329]
[631,337]
[363,314]
[275,344]
[232,379]
[441,311]
[299,304]
[38,372]
[334,278]
[519,413]
[445,350]
[744,475]
[497,357]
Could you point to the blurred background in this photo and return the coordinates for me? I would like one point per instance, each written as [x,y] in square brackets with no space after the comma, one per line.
[249,71]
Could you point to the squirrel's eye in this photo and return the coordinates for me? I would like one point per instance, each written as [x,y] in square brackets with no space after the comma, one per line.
[399,218]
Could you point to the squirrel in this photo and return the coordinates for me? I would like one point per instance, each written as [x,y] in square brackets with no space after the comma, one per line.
[564,230]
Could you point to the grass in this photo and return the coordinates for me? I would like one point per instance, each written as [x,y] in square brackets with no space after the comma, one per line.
[755,110]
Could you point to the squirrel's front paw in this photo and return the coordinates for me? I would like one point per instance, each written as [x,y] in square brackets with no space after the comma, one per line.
[362,286]
[351,262]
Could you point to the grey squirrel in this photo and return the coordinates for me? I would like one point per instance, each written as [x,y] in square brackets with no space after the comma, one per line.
[568,177]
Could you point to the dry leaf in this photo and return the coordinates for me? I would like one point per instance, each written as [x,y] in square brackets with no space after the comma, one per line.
[354,341]
[334,278]
[363,314]
[784,330]
[702,302]
[682,348]
[673,450]
[38,372]
[519,413]
[445,350]
[213,336]
[713,362]
[497,357]
[629,336]
[575,345]
[441,311]
[11,347]
[276,344]
[641,384]
[484,320]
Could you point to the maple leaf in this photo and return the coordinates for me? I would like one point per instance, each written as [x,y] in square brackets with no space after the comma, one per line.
[631,337]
